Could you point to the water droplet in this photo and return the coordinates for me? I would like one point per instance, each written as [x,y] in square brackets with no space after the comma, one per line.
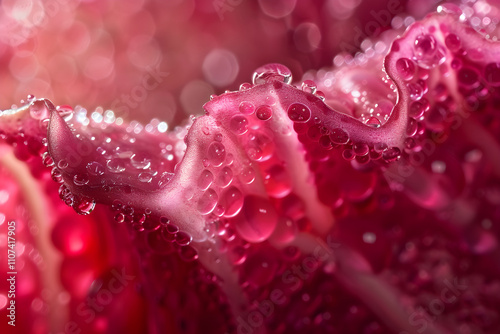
[238,124]
[225,177]
[391,154]
[62,164]
[361,149]
[272,72]
[418,108]
[245,86]
[145,177]
[38,110]
[309,86]
[172,229]
[47,160]
[205,180]
[348,154]
[56,175]
[247,108]
[277,181]
[232,201]
[406,68]
[80,179]
[188,253]
[115,165]
[264,112]
[412,127]
[468,77]
[428,52]
[207,202]
[140,161]
[339,136]
[258,221]
[216,154]
[492,74]
[237,255]
[84,206]
[248,175]
[95,168]
[415,90]
[452,41]
[183,239]
[119,217]
[298,112]
[374,122]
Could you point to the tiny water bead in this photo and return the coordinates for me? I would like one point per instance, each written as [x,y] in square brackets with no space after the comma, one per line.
[272,72]
[205,179]
[225,177]
[247,108]
[339,136]
[391,154]
[94,168]
[299,112]
[84,206]
[239,124]
[183,238]
[257,220]
[207,202]
[468,77]
[452,42]
[374,122]
[428,53]
[264,112]
[140,161]
[232,201]
[309,86]
[145,177]
[248,175]
[406,68]
[80,179]
[38,110]
[115,166]
[216,154]
[418,108]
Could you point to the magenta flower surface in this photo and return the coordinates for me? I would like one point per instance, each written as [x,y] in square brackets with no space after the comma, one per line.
[347,181]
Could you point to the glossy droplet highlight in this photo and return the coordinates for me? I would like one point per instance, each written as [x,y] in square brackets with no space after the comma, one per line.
[216,154]
[205,180]
[207,202]
[140,161]
[406,68]
[232,201]
[264,112]
[225,177]
[238,124]
[339,136]
[94,168]
[84,206]
[258,219]
[247,108]
[391,154]
[80,179]
[115,166]
[452,42]
[272,72]
[299,113]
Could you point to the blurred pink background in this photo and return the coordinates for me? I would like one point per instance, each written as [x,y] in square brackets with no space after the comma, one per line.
[152,58]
